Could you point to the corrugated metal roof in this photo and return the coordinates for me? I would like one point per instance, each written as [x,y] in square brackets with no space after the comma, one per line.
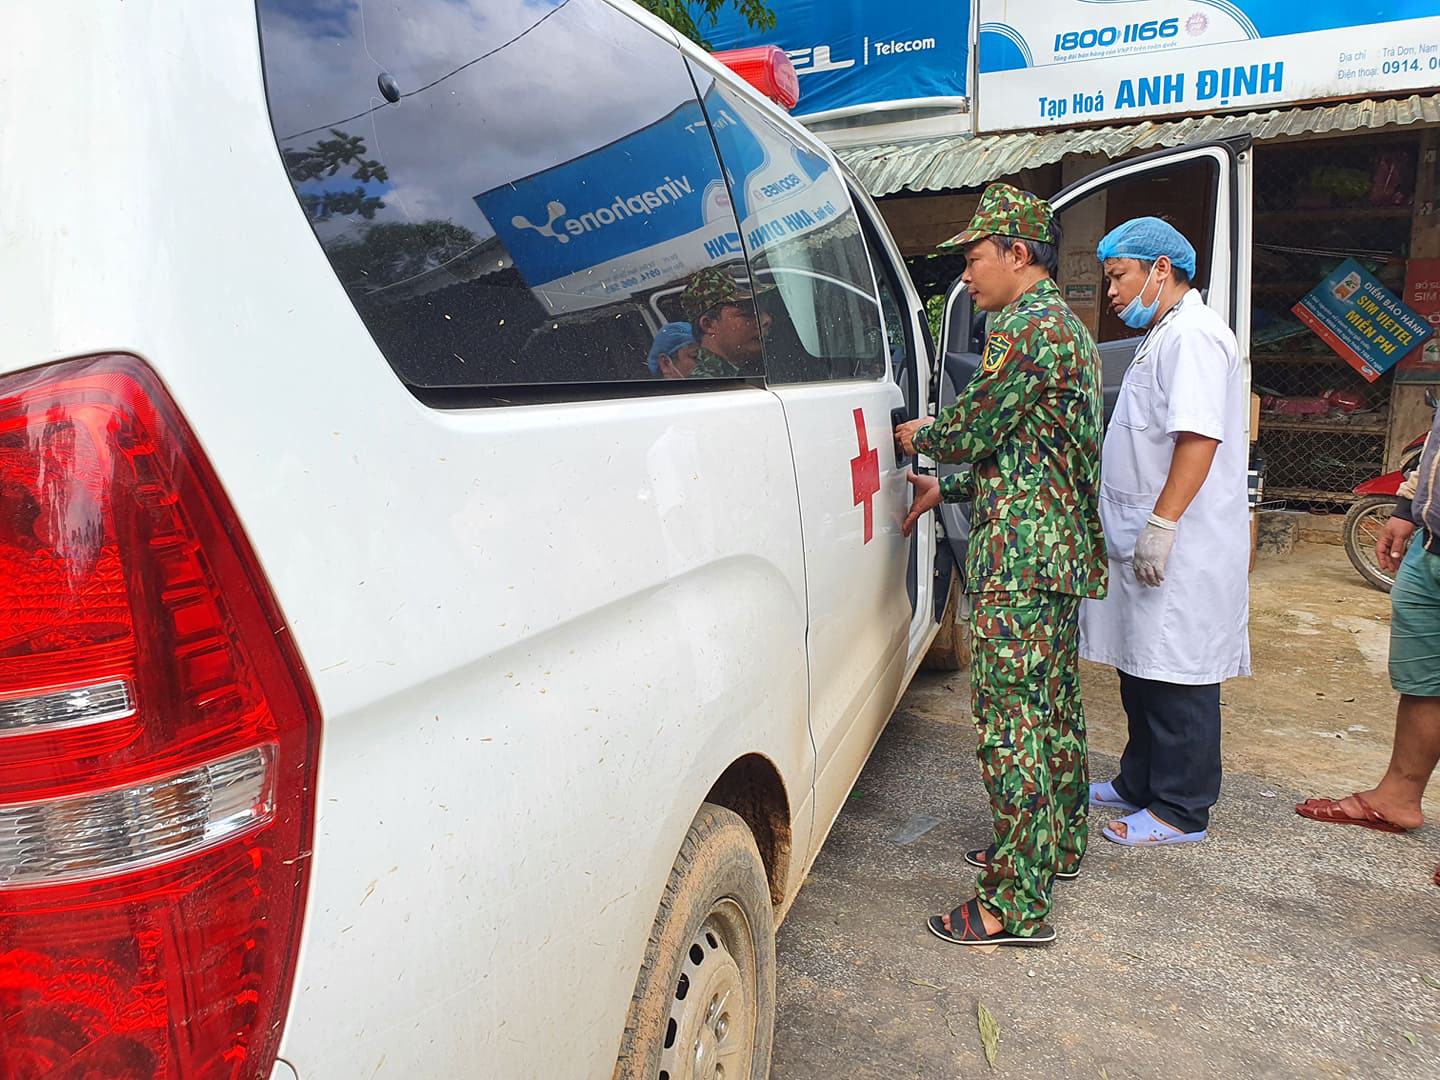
[949,162]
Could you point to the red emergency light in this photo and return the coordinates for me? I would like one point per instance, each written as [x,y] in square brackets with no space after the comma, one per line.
[768,69]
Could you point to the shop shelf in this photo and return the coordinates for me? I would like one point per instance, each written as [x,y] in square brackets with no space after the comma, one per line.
[1393,282]
[1370,425]
[1297,358]
[1308,495]
[1333,213]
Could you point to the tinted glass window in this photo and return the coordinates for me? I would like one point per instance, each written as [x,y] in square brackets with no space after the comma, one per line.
[542,182]
[891,310]
[817,294]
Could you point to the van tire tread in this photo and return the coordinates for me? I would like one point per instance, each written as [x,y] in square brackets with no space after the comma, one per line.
[718,858]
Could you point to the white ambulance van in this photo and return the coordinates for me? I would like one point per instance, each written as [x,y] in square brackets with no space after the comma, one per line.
[396,677]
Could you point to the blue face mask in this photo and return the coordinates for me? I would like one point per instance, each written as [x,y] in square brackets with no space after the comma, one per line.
[1137,315]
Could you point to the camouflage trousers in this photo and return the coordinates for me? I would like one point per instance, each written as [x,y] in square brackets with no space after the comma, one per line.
[1025,695]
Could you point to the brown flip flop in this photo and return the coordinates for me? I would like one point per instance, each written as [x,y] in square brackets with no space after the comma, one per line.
[1329,811]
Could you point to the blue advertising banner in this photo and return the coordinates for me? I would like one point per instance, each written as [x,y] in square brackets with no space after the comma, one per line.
[780,189]
[854,54]
[582,242]
[1361,320]
[1054,63]
[571,228]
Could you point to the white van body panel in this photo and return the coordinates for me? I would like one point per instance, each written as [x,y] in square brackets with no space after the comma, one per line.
[495,605]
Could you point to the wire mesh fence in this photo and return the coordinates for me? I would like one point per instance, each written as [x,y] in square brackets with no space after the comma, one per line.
[1322,426]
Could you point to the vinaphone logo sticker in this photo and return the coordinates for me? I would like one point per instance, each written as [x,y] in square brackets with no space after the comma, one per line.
[619,209]
[556,210]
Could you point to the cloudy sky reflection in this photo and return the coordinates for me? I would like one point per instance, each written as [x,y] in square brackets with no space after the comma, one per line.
[469,132]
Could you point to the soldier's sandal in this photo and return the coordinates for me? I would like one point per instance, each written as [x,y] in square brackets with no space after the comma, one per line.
[981,857]
[968,928]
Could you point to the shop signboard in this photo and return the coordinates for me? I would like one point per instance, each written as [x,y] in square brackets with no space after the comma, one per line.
[1360,319]
[1422,295]
[1057,63]
[854,55]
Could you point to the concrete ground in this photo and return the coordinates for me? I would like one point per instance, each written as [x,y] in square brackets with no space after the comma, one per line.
[1279,947]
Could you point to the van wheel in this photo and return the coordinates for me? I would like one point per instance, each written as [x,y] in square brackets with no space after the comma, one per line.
[950,651]
[704,1005]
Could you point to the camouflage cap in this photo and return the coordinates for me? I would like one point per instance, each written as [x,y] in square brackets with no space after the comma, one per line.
[1008,211]
[710,288]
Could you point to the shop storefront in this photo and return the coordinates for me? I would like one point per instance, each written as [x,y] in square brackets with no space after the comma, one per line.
[1331,183]
[1325,427]
[1342,109]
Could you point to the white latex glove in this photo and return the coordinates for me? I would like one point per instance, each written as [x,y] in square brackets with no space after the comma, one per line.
[1152,550]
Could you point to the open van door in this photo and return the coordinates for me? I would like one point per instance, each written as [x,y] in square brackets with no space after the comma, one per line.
[1204,190]
[910,348]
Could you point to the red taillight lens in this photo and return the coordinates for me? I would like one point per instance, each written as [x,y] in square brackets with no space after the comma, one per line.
[768,69]
[157,746]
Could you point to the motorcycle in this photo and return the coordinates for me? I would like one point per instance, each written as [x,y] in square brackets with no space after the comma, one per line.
[1368,515]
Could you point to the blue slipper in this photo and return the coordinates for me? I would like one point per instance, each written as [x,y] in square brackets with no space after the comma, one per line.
[1106,795]
[1143,829]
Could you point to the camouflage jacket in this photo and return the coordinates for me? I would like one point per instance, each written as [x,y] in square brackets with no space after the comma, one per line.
[1030,423]
[709,365]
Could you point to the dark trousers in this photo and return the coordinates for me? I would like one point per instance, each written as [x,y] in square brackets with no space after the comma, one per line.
[1171,765]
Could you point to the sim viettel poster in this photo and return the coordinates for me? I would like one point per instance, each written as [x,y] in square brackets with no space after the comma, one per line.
[1361,320]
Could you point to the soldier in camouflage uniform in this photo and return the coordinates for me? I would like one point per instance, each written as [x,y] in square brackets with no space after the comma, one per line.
[726,323]
[1029,422]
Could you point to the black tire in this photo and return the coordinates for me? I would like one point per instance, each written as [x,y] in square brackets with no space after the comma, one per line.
[950,651]
[713,938]
[1362,528]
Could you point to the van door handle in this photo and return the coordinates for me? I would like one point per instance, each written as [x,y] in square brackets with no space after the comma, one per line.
[898,416]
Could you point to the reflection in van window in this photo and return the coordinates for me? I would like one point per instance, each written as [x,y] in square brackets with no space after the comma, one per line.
[674,352]
[890,308]
[803,240]
[513,215]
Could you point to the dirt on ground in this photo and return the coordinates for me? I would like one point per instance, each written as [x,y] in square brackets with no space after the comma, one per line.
[1278,947]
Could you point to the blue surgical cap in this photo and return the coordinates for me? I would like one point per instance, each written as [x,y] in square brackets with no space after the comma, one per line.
[671,338]
[1147,238]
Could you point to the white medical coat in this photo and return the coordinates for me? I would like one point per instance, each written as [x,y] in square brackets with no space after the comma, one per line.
[1194,627]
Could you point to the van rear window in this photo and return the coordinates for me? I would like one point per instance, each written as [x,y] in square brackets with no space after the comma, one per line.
[512,192]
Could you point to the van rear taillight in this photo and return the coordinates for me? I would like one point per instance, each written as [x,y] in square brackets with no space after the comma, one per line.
[157,746]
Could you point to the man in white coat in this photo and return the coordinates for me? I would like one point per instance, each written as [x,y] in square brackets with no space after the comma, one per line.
[1173,506]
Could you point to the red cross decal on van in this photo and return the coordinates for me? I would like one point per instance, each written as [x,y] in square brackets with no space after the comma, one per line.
[865,474]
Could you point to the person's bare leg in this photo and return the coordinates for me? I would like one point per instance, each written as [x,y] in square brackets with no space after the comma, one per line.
[1412,761]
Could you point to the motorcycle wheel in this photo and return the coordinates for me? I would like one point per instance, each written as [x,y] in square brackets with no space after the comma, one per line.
[1363,525]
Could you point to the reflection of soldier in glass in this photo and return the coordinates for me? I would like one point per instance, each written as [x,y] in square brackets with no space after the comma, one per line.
[673,354]
[729,330]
